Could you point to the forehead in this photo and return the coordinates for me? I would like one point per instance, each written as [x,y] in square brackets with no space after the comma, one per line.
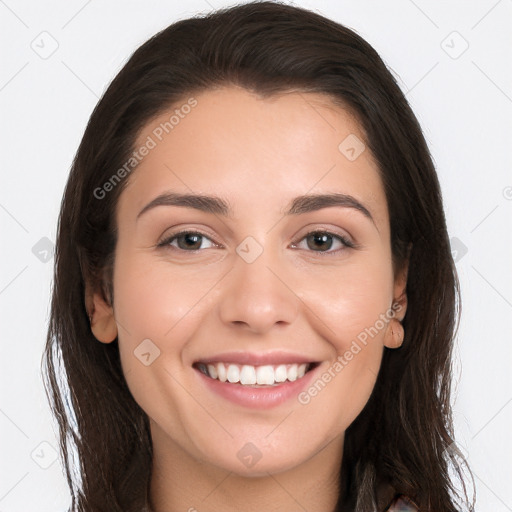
[255,151]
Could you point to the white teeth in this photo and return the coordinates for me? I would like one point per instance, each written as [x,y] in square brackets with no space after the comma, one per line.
[221,371]
[292,372]
[248,375]
[265,375]
[212,371]
[233,373]
[280,373]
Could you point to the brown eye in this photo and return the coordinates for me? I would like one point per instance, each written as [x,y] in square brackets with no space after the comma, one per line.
[319,241]
[323,242]
[187,241]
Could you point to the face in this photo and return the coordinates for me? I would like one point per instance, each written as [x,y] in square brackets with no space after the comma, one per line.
[293,296]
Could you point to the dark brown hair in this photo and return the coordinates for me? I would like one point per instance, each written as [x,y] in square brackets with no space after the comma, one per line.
[402,442]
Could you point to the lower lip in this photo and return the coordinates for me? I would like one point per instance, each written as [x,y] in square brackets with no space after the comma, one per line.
[258,398]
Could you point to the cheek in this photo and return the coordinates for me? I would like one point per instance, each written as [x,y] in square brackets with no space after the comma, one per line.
[351,301]
[147,306]
[152,298]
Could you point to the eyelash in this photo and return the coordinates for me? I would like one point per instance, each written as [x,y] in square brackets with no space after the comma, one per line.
[345,242]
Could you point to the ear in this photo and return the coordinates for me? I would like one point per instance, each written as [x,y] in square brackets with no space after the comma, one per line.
[399,292]
[394,335]
[101,316]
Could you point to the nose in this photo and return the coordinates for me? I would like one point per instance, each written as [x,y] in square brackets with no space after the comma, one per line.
[258,295]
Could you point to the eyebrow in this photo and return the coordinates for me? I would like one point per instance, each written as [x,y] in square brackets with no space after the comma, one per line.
[218,206]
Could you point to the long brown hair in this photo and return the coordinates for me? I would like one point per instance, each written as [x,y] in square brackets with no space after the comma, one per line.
[402,442]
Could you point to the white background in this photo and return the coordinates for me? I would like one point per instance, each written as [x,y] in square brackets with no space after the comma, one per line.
[463,100]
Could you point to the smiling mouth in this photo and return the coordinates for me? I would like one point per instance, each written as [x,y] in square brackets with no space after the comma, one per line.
[255,376]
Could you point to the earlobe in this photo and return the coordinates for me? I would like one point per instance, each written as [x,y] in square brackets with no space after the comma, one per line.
[394,336]
[101,317]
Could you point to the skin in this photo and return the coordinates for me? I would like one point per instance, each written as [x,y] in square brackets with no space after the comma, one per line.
[257,154]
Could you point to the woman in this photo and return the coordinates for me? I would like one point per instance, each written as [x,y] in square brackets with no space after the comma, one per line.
[255,299]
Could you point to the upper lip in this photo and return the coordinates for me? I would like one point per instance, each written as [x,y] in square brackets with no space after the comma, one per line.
[257,358]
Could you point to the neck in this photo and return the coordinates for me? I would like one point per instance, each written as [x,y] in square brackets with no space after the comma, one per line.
[181,483]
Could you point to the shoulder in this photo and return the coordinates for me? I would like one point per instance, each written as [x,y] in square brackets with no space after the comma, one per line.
[402,504]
